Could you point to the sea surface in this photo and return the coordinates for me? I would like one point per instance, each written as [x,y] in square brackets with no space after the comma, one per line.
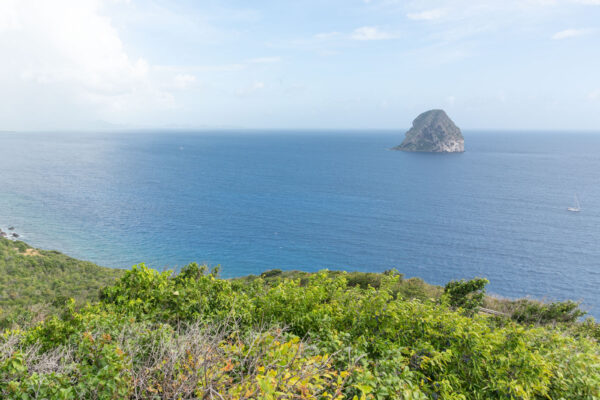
[251,201]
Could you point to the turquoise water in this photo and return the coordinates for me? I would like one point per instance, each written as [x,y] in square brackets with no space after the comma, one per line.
[252,201]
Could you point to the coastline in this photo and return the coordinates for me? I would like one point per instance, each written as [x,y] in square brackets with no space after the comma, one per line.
[407,288]
[292,203]
[10,233]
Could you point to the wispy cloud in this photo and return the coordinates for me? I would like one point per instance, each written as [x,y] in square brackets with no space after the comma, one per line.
[588,2]
[265,60]
[327,35]
[183,81]
[201,68]
[370,33]
[427,15]
[250,89]
[571,33]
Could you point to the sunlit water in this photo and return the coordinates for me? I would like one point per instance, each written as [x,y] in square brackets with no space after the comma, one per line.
[252,201]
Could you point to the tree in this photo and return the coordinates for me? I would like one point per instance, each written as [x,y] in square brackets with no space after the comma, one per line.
[467,295]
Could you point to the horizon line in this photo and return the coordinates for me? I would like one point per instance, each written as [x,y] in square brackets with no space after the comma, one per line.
[274,130]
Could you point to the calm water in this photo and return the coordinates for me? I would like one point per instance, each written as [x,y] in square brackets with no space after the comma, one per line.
[293,200]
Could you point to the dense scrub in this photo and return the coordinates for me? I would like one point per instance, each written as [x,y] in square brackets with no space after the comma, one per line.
[34,281]
[412,288]
[193,335]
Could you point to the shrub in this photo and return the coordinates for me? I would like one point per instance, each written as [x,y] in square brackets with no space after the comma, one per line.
[166,297]
[415,288]
[534,312]
[94,368]
[271,273]
[31,280]
[467,295]
[364,279]
[191,335]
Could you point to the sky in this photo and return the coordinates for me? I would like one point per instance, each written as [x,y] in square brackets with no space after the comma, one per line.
[304,64]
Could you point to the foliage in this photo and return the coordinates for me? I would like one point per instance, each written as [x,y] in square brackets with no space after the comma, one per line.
[412,288]
[193,295]
[147,361]
[191,334]
[94,368]
[466,295]
[293,335]
[588,328]
[271,273]
[527,311]
[34,281]
[565,315]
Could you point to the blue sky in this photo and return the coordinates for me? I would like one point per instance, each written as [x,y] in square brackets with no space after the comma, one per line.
[339,64]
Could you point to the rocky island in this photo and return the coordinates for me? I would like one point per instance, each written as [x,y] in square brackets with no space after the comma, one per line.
[433,131]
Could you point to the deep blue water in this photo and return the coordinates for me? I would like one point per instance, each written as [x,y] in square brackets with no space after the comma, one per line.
[252,201]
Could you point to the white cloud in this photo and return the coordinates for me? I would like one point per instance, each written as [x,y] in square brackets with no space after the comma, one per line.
[456,20]
[427,15]
[8,16]
[370,33]
[69,50]
[571,33]
[183,81]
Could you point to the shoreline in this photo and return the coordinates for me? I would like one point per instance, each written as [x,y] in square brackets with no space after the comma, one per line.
[408,288]
[10,233]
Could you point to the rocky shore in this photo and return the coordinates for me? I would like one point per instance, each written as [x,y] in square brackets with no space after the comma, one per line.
[11,234]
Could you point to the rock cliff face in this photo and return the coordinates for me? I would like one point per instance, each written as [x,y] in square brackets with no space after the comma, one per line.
[433,131]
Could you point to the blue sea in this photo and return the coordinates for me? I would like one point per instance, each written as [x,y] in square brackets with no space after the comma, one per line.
[251,201]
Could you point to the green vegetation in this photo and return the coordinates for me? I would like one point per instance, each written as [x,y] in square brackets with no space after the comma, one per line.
[34,282]
[466,295]
[293,335]
[412,288]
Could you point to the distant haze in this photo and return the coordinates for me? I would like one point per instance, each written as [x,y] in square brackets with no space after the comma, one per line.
[338,64]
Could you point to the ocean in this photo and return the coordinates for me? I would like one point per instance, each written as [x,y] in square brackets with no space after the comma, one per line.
[250,201]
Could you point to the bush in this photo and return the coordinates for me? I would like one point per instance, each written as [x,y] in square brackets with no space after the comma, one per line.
[94,368]
[364,279]
[415,288]
[166,297]
[34,282]
[533,312]
[191,335]
[466,295]
[271,273]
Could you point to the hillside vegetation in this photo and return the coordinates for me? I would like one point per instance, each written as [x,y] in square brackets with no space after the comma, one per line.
[330,335]
[34,281]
